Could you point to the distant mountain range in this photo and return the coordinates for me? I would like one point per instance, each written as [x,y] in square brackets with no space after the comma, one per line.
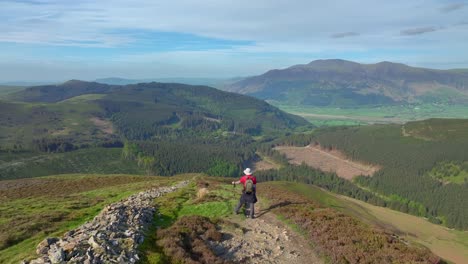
[213,82]
[347,84]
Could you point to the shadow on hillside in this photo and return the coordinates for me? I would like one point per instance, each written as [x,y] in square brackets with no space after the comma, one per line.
[277,205]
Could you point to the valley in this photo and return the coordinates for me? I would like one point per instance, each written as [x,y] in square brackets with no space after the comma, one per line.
[128,131]
[364,115]
[69,150]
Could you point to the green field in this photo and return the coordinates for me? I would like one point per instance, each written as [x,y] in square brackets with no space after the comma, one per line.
[450,244]
[454,172]
[331,116]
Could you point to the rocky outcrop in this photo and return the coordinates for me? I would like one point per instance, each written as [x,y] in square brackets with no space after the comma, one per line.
[111,237]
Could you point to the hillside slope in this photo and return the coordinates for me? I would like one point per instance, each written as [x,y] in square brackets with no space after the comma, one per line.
[146,109]
[192,223]
[423,165]
[345,83]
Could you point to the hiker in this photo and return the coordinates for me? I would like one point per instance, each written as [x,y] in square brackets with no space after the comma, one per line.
[249,194]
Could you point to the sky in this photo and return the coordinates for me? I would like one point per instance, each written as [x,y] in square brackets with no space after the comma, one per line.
[45,40]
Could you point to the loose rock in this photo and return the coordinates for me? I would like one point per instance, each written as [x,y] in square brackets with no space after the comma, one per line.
[111,237]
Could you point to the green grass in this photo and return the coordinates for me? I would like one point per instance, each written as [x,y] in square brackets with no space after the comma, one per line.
[37,214]
[450,172]
[218,203]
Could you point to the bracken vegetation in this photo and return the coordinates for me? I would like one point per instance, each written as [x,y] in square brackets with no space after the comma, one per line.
[342,238]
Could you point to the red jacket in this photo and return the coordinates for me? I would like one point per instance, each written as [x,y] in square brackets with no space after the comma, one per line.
[244,178]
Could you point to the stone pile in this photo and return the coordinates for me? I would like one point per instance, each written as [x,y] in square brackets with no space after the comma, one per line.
[111,237]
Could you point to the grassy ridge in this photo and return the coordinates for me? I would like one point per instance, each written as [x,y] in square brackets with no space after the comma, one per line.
[218,202]
[32,209]
[283,198]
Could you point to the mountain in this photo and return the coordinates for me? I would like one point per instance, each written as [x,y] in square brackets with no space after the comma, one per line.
[213,82]
[145,109]
[344,83]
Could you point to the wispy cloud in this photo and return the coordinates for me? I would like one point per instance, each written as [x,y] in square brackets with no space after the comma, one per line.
[417,31]
[451,7]
[344,35]
[223,33]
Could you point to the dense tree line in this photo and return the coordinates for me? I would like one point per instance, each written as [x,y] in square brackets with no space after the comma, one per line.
[406,163]
[329,181]
[221,157]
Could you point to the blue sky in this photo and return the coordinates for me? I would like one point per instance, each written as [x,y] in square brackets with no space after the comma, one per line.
[56,40]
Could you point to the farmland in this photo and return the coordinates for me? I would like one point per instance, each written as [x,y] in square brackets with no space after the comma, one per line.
[333,116]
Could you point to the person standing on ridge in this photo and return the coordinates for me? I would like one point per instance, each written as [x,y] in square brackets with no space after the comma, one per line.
[249,192]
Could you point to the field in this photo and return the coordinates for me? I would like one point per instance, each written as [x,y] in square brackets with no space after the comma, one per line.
[330,116]
[330,161]
[450,244]
[32,209]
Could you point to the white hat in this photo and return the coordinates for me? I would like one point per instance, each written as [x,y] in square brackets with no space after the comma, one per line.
[248,171]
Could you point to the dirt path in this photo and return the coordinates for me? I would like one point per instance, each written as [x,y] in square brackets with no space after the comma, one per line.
[264,239]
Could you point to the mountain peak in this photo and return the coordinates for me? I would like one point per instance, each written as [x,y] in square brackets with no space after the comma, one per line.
[342,83]
[331,61]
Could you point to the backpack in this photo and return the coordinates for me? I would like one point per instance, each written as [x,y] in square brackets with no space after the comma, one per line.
[249,186]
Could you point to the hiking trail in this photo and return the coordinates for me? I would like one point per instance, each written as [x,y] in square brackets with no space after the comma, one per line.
[115,233]
[264,239]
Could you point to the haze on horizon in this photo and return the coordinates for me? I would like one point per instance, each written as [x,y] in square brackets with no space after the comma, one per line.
[44,40]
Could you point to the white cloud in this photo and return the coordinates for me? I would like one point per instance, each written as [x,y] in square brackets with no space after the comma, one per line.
[261,20]
[280,33]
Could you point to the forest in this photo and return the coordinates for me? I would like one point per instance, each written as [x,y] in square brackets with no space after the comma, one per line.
[406,165]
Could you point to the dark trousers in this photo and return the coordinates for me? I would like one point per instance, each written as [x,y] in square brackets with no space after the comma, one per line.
[248,206]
